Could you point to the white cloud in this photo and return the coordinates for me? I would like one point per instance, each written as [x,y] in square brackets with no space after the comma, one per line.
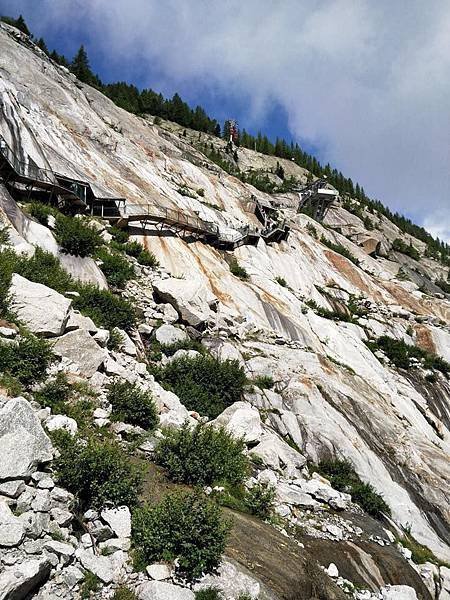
[365,81]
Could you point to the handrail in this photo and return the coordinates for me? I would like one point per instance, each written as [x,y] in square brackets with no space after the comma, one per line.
[26,169]
[170,214]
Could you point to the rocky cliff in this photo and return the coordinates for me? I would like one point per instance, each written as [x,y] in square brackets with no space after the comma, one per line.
[308,317]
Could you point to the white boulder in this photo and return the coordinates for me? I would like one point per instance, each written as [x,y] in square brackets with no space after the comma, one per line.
[20,580]
[231,581]
[159,590]
[159,571]
[56,422]
[191,298]
[119,519]
[44,311]
[241,420]
[82,350]
[398,592]
[168,334]
[12,530]
[23,442]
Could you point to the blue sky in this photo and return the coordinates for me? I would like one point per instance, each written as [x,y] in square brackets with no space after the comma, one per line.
[364,85]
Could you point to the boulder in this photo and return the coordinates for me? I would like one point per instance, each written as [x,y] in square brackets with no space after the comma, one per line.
[278,455]
[20,580]
[191,298]
[82,350]
[102,566]
[12,530]
[398,592]
[23,442]
[126,344]
[44,311]
[231,581]
[56,422]
[159,590]
[445,582]
[291,494]
[119,519]
[168,334]
[78,321]
[170,314]
[241,420]
[159,571]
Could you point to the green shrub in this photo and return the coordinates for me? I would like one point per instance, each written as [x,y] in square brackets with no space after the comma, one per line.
[333,315]
[185,526]
[45,268]
[10,384]
[188,344]
[343,478]
[120,236]
[104,308]
[203,383]
[55,393]
[400,354]
[133,248]
[237,270]
[202,455]
[91,583]
[420,553]
[27,360]
[132,405]
[97,472]
[211,593]
[265,382]
[143,256]
[124,593]
[148,259]
[340,249]
[281,281]
[76,237]
[260,500]
[400,246]
[115,267]
[41,211]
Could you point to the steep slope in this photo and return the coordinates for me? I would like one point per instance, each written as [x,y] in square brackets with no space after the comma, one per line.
[333,396]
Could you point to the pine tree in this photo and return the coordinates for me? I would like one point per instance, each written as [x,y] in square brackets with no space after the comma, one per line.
[42,45]
[81,69]
[20,24]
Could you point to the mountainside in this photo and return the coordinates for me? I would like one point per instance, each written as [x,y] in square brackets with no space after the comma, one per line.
[342,328]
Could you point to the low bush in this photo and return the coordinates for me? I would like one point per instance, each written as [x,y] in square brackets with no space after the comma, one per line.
[210,593]
[203,383]
[202,455]
[281,281]
[188,344]
[54,394]
[76,237]
[400,354]
[143,256]
[11,385]
[41,211]
[326,313]
[419,553]
[444,285]
[340,249]
[260,500]
[400,246]
[148,259]
[45,268]
[90,584]
[27,360]
[343,478]
[97,472]
[104,308]
[185,526]
[121,236]
[115,267]
[265,382]
[124,593]
[237,270]
[132,405]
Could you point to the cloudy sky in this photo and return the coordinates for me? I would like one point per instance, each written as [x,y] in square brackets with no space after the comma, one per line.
[364,83]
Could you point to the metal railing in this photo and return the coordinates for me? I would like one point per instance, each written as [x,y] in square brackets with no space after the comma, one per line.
[26,169]
[169,215]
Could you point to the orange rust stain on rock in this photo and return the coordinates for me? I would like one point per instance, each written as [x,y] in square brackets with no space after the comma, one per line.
[424,339]
[403,297]
[346,268]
